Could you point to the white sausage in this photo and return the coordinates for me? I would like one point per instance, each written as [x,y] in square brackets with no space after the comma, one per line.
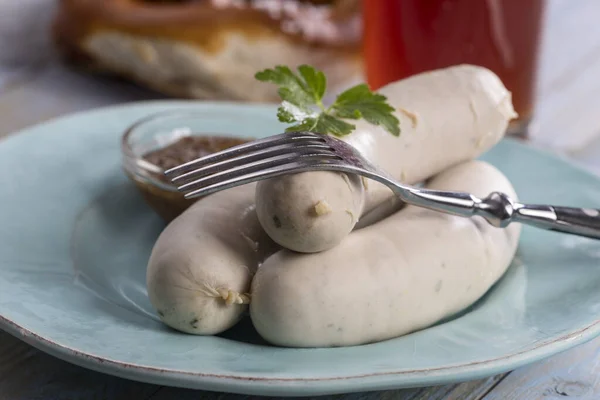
[295,211]
[446,117]
[399,275]
[201,266]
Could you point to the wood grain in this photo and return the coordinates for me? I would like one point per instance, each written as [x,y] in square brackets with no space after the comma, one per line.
[27,373]
[474,390]
[34,88]
[55,91]
[568,77]
[571,375]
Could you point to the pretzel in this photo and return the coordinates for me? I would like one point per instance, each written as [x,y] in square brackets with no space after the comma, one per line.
[211,48]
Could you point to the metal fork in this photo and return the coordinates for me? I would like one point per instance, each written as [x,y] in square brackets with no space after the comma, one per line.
[296,152]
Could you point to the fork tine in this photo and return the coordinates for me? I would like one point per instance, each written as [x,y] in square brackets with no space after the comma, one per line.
[241,170]
[293,167]
[251,157]
[270,141]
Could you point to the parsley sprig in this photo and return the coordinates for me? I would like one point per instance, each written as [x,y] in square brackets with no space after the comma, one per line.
[302,103]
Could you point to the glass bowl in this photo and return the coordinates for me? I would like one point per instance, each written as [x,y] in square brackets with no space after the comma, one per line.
[166,139]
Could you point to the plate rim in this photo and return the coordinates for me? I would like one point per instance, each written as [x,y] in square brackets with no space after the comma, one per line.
[296,386]
[236,383]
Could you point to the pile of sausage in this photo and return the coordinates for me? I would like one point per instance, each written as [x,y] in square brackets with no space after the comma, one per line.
[326,259]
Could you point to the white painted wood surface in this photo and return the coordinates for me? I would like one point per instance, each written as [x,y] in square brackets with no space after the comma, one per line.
[35,87]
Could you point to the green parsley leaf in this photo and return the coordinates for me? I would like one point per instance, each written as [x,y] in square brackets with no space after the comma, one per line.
[332,125]
[302,103]
[359,102]
[323,123]
[308,124]
[285,116]
[316,83]
[291,89]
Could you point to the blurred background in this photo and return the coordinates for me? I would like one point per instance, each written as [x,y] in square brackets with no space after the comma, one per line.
[58,57]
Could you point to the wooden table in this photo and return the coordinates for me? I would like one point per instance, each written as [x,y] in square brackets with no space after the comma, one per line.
[34,87]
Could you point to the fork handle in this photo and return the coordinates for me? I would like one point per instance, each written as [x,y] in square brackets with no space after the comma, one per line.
[500,210]
[573,220]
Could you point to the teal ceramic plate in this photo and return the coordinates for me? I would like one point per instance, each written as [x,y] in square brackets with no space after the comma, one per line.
[75,237]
